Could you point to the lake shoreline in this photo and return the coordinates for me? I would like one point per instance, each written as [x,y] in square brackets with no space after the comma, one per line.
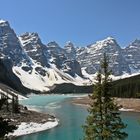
[32,127]
[71,117]
[29,121]
[128,104]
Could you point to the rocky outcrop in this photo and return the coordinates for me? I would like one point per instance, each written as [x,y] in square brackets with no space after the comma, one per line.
[10,46]
[70,50]
[64,59]
[34,48]
[9,78]
[132,56]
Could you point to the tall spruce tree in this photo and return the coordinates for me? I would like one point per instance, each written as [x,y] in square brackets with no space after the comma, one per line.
[104,121]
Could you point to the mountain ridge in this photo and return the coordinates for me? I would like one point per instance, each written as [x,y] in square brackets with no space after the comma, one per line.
[39,67]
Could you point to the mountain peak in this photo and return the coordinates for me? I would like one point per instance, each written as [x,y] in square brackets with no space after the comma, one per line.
[69,44]
[110,38]
[3,22]
[107,40]
[30,34]
[53,44]
[135,43]
[28,37]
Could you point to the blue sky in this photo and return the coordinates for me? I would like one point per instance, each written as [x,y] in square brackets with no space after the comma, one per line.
[80,21]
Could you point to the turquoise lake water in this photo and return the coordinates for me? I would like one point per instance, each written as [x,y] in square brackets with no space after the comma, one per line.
[71,117]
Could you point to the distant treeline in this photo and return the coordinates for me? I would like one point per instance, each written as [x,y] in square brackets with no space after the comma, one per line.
[126,88]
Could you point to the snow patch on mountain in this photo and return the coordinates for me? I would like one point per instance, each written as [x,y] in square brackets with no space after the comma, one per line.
[33,80]
[2,21]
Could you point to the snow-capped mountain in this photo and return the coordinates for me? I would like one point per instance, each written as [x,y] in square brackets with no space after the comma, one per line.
[49,65]
[27,63]
[90,56]
[132,56]
[34,48]
[60,57]
[10,47]
[11,54]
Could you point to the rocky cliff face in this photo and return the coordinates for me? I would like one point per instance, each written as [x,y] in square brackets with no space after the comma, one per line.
[132,56]
[64,58]
[70,50]
[91,56]
[10,46]
[34,48]
[11,54]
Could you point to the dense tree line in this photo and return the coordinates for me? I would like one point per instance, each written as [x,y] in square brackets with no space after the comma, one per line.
[127,88]
[6,106]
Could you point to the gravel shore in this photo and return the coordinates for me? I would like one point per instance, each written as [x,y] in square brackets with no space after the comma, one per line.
[128,104]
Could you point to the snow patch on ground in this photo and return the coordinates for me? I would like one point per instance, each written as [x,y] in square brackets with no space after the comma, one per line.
[20,97]
[124,109]
[32,127]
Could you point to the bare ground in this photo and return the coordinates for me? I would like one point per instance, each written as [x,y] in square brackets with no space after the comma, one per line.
[127,103]
[25,116]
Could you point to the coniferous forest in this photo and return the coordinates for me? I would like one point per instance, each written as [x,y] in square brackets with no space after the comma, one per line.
[127,88]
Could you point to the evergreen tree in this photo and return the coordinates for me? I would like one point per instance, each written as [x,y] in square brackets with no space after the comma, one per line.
[5,128]
[104,121]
